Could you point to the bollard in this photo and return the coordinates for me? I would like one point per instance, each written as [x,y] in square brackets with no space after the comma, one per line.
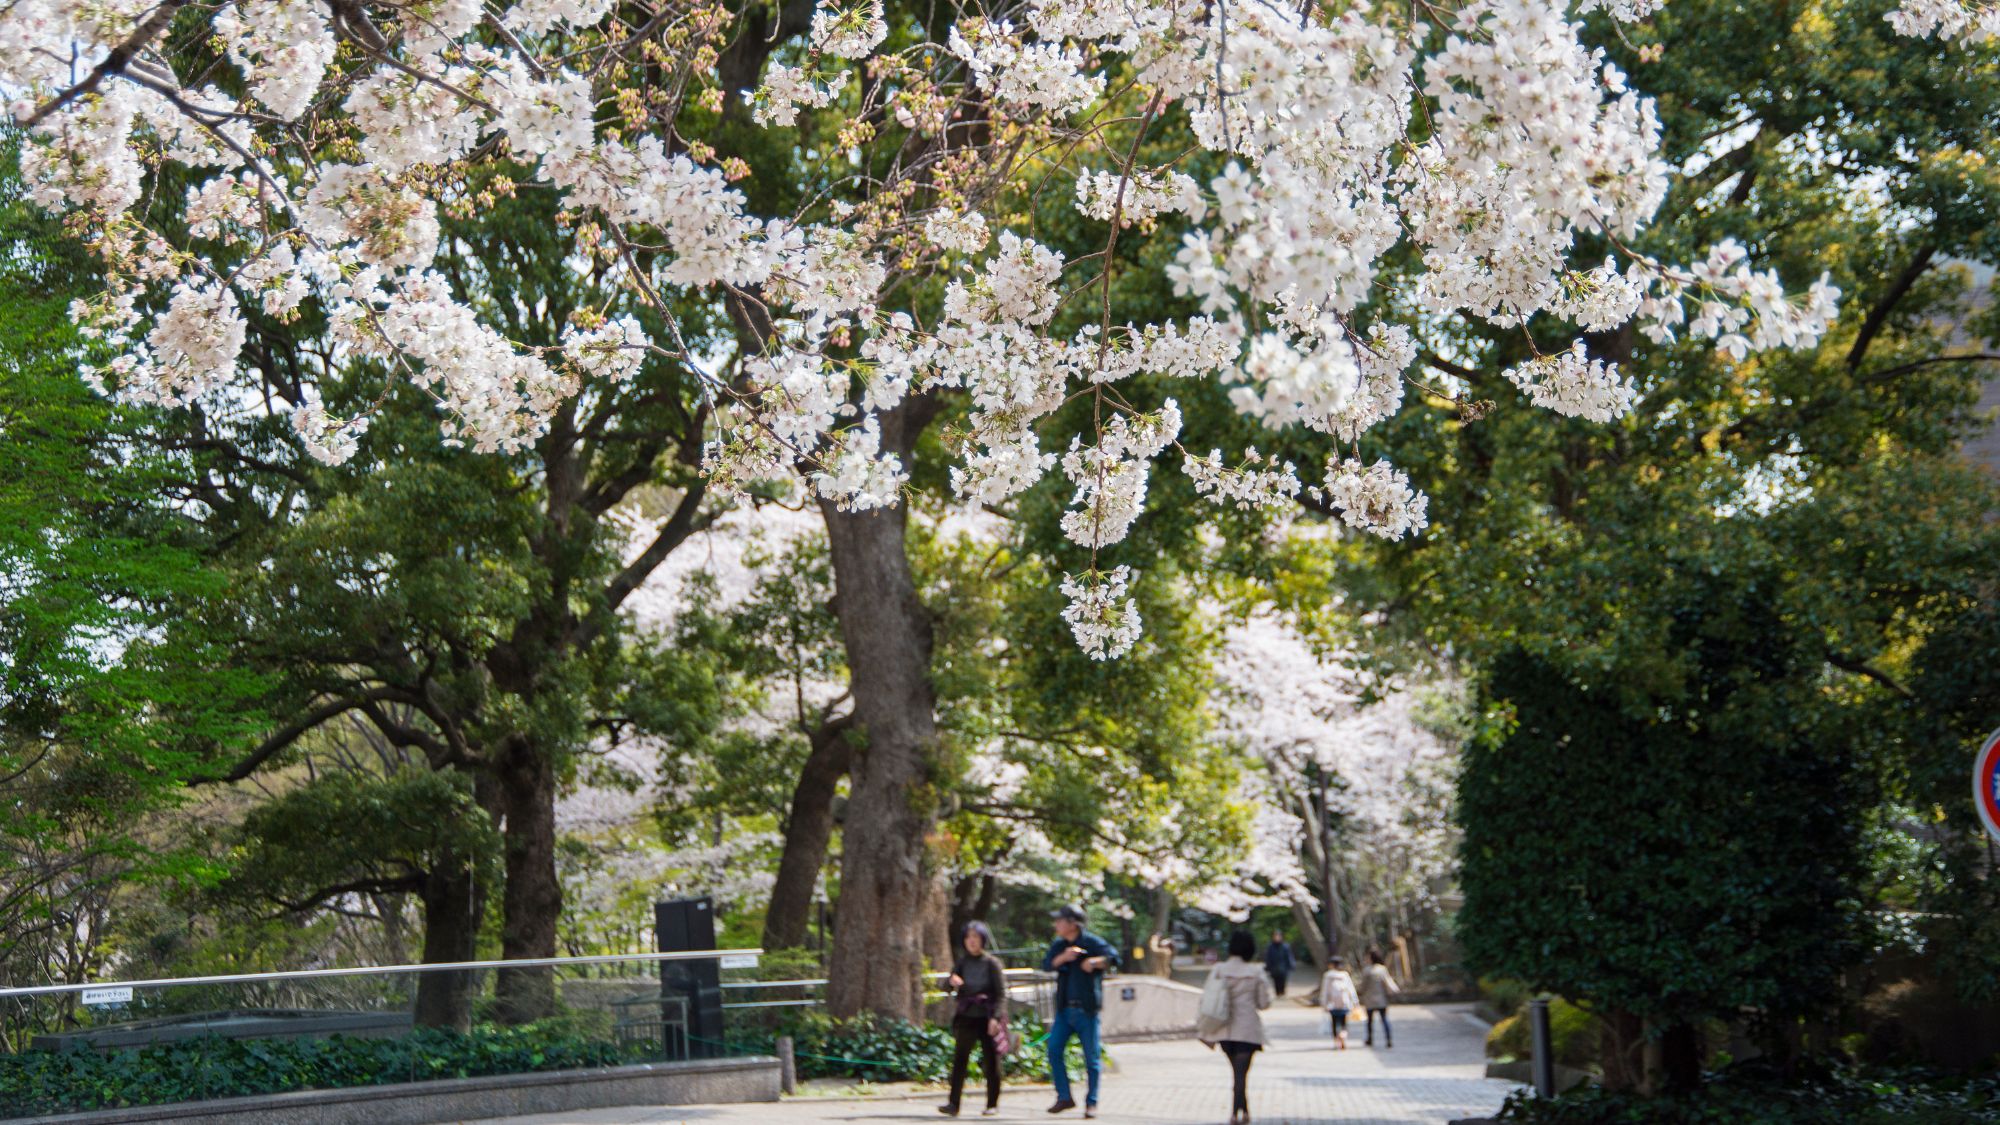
[1544,1047]
[788,1075]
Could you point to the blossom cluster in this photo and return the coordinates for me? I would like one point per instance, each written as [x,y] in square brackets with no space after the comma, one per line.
[326,169]
[1962,20]
[1377,498]
[1100,613]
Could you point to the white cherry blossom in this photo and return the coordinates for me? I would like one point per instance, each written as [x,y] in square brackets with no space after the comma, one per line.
[329,146]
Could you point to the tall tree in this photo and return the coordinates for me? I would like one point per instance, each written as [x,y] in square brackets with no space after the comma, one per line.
[469,608]
[104,710]
[1810,504]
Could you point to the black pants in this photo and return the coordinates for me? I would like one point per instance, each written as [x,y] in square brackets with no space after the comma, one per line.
[1339,1017]
[966,1032]
[1388,1038]
[1240,1055]
[1277,980]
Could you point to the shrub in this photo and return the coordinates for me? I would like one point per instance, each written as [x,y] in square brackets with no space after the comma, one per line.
[1750,1095]
[38,1082]
[1675,838]
[1572,1028]
[875,1049]
[1503,996]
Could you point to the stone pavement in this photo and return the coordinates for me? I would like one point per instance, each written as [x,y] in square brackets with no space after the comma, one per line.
[1434,1074]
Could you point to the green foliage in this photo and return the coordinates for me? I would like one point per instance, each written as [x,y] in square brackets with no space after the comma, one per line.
[875,1048]
[1699,625]
[38,1082]
[346,832]
[105,709]
[1956,682]
[1749,1095]
[1679,863]
[1573,1031]
[1503,996]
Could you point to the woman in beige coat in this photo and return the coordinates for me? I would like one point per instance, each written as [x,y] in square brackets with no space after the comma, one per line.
[1376,988]
[1241,1035]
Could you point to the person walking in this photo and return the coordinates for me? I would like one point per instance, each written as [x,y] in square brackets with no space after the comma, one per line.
[1278,961]
[1338,997]
[978,982]
[1245,991]
[1376,988]
[1079,959]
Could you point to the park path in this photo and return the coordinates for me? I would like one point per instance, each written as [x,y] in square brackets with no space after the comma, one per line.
[1434,1075]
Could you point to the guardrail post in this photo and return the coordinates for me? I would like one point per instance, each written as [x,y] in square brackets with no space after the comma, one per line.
[1544,1047]
[788,1074]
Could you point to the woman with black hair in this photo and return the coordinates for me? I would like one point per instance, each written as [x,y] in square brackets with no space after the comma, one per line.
[1376,988]
[979,981]
[1241,986]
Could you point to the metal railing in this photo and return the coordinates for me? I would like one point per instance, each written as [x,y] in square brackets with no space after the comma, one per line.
[380,970]
[1015,977]
[188,1038]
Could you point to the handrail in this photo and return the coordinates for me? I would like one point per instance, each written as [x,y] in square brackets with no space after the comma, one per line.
[362,971]
[822,982]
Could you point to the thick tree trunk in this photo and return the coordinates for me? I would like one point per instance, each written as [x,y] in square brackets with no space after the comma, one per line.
[1309,932]
[878,941]
[1159,953]
[807,831]
[1680,1058]
[453,901]
[935,927]
[532,901]
[1622,1051]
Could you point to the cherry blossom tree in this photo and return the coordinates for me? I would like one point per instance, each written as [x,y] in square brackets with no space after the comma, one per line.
[322,139]
[294,157]
[1359,789]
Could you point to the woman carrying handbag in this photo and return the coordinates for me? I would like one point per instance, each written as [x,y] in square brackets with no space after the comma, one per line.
[979,982]
[1238,988]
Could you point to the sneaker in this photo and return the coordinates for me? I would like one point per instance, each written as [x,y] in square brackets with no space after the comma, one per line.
[948,1110]
[1062,1104]
[1090,1111]
[990,1111]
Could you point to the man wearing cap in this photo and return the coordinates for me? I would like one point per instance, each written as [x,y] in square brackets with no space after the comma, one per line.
[1079,959]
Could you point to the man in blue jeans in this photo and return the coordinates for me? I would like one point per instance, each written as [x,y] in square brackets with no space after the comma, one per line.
[1079,959]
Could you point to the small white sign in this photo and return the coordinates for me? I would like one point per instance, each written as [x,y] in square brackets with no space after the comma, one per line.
[739,961]
[98,997]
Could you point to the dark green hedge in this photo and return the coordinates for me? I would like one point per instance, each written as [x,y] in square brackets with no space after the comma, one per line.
[39,1082]
[886,1050]
[36,1082]
[1748,1095]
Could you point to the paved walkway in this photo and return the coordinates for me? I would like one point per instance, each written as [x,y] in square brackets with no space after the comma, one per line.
[1433,1075]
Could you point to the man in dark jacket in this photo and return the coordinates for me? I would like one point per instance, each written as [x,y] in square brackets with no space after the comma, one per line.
[1079,959]
[1278,961]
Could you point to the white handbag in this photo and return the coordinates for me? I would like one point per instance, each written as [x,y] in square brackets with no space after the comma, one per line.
[1214,1003]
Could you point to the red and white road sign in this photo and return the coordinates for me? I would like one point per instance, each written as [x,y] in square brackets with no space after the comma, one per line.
[1986,784]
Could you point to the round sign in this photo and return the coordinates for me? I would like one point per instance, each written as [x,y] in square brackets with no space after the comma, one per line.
[1986,784]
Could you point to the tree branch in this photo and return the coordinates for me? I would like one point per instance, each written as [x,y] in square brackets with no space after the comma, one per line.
[291,732]
[120,57]
[1868,671]
[1879,314]
[685,521]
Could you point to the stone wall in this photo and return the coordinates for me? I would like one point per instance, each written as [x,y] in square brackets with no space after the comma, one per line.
[1149,1007]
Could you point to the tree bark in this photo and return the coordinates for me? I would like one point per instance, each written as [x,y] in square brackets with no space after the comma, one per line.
[1680,1058]
[808,830]
[878,941]
[533,898]
[1159,955]
[1309,932]
[1622,1052]
[453,901]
